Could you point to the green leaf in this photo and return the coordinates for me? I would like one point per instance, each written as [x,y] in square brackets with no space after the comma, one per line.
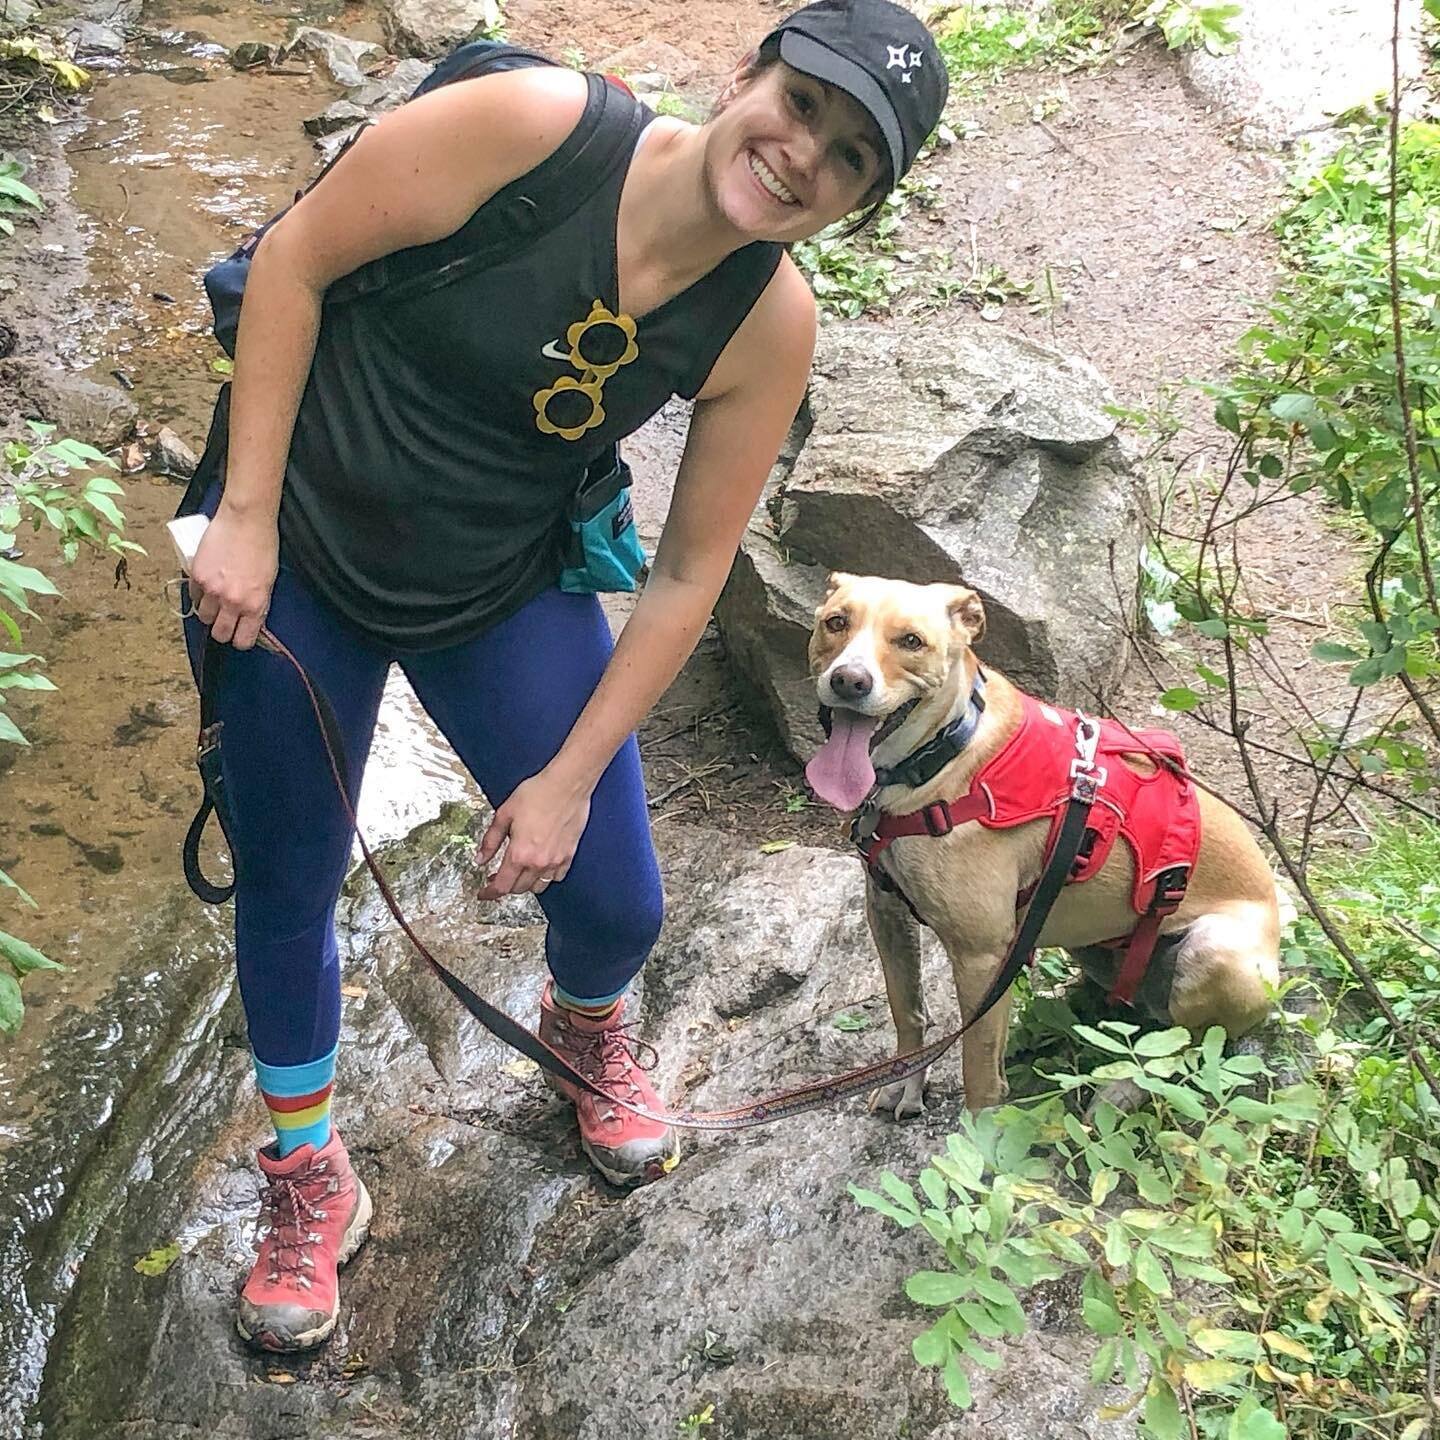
[1162,1412]
[12,1007]
[932,1347]
[1103,1365]
[1102,1318]
[26,898]
[1367,672]
[1293,408]
[10,731]
[23,957]
[935,1287]
[871,1201]
[1186,1102]
[1330,653]
[1236,1344]
[223,365]
[848,1022]
[1342,1272]
[1163,1042]
[157,1262]
[1227,416]
[957,1384]
[1215,629]
[1181,698]
[936,1191]
[900,1192]
[1100,1040]
[1150,1272]
[1255,1423]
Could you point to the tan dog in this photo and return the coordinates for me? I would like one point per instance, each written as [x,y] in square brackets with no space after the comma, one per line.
[879,645]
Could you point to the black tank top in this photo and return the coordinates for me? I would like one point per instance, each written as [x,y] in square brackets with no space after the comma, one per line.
[442,436]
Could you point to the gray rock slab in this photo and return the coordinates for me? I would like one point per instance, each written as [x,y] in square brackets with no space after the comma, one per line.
[101,415]
[506,1291]
[341,115]
[1300,63]
[376,96]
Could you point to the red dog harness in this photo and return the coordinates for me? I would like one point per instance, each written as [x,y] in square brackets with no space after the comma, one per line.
[1031,778]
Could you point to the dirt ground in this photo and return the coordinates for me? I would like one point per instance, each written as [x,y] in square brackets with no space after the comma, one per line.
[1143,229]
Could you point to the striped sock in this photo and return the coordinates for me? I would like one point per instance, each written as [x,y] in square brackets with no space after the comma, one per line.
[298,1099]
[590,1009]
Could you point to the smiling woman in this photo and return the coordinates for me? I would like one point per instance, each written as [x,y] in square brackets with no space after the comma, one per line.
[399,483]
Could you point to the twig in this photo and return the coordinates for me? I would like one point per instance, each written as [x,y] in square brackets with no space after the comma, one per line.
[1412,458]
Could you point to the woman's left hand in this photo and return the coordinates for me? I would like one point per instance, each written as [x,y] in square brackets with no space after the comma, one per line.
[542,822]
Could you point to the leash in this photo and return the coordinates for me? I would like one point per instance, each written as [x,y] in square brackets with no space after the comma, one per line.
[766,1110]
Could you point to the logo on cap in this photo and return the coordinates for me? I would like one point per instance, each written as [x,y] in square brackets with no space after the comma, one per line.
[904,59]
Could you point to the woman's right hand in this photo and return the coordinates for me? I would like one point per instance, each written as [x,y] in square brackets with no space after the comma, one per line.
[233,574]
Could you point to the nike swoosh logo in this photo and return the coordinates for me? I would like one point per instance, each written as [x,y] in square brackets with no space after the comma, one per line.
[552,351]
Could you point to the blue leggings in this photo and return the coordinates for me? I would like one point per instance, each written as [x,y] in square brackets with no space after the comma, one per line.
[505,702]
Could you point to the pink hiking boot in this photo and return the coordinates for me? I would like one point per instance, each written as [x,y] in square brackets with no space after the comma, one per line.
[626,1148]
[315,1214]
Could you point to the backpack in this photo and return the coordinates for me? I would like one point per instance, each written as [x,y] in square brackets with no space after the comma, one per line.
[604,552]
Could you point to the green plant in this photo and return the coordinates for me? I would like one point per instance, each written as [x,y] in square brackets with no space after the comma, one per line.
[1187,23]
[1251,1264]
[692,1424]
[48,486]
[16,198]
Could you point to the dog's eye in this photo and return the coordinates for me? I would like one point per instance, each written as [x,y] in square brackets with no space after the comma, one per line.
[835,624]
[910,641]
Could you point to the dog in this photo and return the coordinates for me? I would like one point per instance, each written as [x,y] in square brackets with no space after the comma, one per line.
[894,663]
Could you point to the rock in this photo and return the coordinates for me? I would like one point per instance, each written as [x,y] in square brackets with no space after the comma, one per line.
[172,456]
[393,89]
[93,39]
[974,456]
[17,13]
[748,1280]
[342,115]
[101,415]
[428,29]
[342,56]
[250,53]
[1301,63]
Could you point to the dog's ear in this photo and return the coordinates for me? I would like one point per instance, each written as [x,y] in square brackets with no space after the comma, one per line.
[965,610]
[835,580]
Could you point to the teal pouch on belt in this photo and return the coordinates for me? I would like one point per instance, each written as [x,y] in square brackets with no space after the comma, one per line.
[604,551]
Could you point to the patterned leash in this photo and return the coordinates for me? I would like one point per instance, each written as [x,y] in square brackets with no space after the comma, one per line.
[768,1108]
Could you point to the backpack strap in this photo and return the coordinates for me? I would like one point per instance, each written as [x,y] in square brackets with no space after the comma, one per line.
[603,137]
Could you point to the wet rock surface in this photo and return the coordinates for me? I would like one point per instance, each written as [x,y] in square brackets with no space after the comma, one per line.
[74,403]
[978,457]
[506,1291]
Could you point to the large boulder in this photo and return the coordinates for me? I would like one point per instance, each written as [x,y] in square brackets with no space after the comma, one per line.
[1301,64]
[428,29]
[505,1290]
[976,457]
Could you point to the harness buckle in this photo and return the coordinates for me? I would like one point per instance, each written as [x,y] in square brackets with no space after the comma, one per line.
[864,825]
[935,815]
[1170,887]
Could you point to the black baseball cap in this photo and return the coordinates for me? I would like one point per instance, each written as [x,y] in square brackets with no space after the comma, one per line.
[880,55]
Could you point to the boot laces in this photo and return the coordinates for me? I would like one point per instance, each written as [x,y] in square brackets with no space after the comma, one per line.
[288,1209]
[609,1057]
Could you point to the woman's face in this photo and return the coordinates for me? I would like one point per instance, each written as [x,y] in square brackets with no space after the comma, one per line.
[789,155]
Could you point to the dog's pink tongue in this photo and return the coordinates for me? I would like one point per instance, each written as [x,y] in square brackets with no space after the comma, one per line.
[840,771]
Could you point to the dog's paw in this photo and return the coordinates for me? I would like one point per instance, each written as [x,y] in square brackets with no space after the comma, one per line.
[905,1099]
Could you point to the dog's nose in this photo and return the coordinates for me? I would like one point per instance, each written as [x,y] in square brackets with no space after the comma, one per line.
[851,682]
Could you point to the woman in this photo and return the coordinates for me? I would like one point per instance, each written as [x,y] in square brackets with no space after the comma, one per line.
[398,479]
